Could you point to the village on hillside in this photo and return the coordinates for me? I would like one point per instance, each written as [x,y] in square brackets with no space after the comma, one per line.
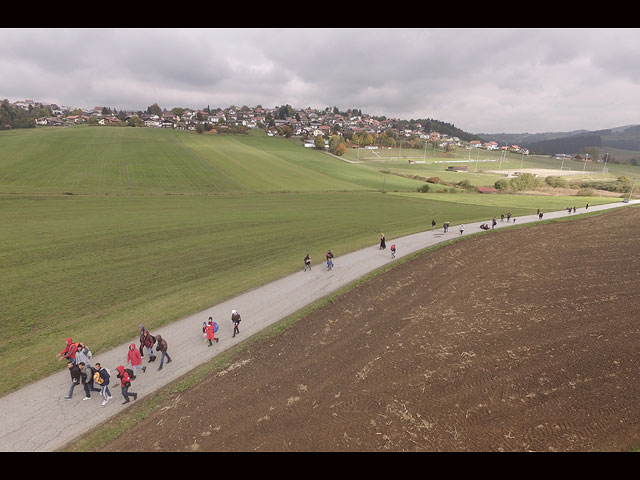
[278,121]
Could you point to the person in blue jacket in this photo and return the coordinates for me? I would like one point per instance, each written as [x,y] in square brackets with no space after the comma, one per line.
[102,377]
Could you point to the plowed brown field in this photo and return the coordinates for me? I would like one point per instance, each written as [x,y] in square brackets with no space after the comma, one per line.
[518,340]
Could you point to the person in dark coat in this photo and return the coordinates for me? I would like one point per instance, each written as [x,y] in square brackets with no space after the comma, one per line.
[235,318]
[141,347]
[383,244]
[74,370]
[148,344]
[329,256]
[102,378]
[162,347]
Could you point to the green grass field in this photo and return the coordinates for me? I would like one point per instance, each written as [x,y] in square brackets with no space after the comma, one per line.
[126,161]
[162,224]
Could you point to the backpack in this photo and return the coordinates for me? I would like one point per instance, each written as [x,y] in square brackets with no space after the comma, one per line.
[215,327]
[87,352]
[130,372]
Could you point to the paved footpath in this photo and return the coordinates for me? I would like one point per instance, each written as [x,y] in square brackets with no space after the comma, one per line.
[38,418]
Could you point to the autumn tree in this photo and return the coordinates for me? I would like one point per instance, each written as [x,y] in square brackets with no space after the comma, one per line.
[286,131]
[334,141]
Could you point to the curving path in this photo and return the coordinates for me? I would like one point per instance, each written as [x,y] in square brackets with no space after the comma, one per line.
[38,418]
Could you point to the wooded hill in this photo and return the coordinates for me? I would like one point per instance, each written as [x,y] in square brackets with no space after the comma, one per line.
[624,138]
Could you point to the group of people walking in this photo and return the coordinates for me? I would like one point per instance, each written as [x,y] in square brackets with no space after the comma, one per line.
[96,378]
[210,328]
[329,256]
[91,376]
[445,228]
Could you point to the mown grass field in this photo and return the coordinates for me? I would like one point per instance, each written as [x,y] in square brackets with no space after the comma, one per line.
[107,228]
[117,161]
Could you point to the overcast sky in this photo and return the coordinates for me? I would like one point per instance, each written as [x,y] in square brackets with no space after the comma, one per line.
[481,80]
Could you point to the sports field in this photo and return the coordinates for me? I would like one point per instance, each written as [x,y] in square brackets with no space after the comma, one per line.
[107,228]
[484,166]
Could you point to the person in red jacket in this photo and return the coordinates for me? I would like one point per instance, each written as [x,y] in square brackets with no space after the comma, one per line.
[211,332]
[69,352]
[125,383]
[135,359]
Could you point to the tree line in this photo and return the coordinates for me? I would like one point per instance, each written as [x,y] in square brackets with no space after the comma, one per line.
[16,117]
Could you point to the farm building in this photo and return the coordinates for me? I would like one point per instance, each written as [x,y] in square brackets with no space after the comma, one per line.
[458,168]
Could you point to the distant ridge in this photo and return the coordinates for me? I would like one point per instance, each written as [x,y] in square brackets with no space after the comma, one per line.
[625,138]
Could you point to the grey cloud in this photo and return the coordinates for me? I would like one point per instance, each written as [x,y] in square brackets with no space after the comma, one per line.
[479,79]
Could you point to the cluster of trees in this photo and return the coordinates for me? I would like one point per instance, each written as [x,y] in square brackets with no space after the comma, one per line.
[286,111]
[15,117]
[431,125]
[388,138]
[336,144]
[621,185]
[525,181]
[352,112]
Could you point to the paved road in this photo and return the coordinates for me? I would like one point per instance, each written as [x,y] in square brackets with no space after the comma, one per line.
[37,418]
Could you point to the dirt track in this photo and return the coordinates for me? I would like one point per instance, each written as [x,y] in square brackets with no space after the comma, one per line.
[526,339]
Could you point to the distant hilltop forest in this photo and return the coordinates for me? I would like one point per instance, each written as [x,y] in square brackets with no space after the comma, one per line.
[597,142]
